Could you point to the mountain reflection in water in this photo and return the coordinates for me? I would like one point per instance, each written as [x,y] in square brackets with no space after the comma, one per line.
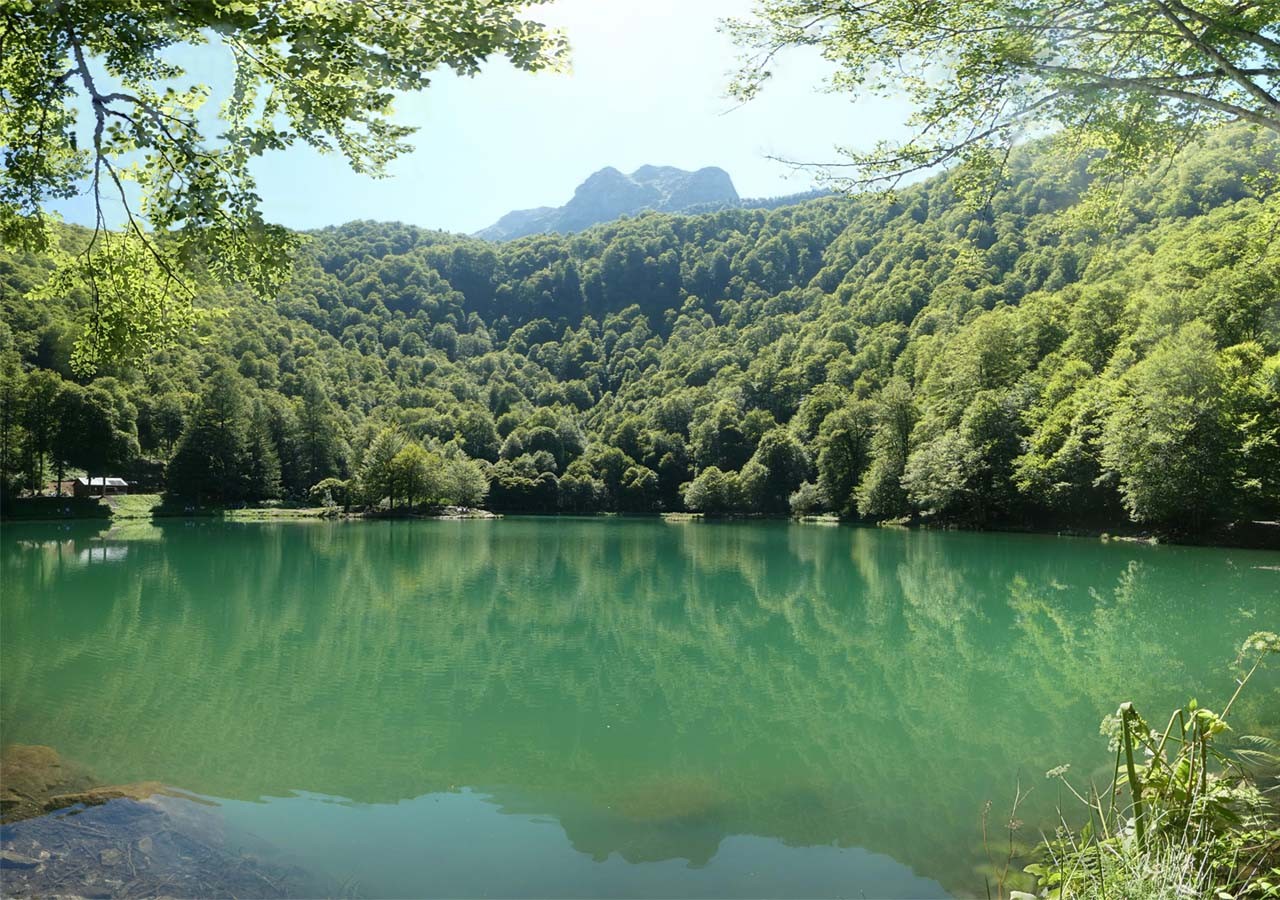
[684,694]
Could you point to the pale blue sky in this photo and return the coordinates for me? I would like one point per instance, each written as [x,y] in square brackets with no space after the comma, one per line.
[647,86]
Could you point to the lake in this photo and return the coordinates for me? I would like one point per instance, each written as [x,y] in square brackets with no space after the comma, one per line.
[612,707]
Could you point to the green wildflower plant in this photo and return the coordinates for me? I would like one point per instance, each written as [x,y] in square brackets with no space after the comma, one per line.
[1181,816]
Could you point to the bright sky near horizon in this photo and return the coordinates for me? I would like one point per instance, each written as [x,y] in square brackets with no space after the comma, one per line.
[647,86]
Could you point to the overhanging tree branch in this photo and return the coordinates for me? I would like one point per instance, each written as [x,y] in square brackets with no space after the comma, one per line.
[1236,74]
[1091,82]
[1137,78]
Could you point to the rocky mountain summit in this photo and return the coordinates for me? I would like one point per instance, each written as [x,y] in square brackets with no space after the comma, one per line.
[608,194]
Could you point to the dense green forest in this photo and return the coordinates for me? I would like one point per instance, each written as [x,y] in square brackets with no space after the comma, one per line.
[1031,363]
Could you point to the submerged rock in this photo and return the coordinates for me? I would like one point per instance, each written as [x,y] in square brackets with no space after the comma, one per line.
[35,780]
[670,799]
[30,774]
[11,860]
[140,790]
[66,836]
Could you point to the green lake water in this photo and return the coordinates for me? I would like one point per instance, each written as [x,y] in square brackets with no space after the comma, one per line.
[613,707]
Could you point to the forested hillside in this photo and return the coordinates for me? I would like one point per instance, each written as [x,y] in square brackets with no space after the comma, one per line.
[1023,364]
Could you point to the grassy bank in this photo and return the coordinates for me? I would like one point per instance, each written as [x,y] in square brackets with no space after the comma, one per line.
[132,507]
[138,506]
[1191,810]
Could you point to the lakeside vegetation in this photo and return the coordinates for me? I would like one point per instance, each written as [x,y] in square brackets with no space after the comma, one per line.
[1185,813]
[145,507]
[911,357]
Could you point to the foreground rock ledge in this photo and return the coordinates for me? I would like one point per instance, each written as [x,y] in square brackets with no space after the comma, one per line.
[66,836]
[35,780]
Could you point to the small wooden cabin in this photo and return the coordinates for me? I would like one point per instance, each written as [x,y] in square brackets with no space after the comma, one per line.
[100,487]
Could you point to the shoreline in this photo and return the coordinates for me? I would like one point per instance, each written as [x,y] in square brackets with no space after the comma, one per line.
[147,507]
[136,507]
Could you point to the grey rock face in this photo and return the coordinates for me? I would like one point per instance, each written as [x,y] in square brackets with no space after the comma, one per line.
[608,194]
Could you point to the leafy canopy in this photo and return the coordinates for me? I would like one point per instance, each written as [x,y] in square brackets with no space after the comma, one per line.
[323,72]
[1135,78]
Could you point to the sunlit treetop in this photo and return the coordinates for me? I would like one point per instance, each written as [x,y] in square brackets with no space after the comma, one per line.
[323,72]
[1134,78]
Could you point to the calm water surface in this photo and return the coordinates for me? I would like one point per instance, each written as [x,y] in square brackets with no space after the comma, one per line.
[611,707]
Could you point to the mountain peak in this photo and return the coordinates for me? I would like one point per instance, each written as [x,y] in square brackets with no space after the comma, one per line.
[608,193]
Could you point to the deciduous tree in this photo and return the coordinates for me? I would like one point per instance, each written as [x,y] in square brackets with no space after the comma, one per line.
[323,72]
[1134,77]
